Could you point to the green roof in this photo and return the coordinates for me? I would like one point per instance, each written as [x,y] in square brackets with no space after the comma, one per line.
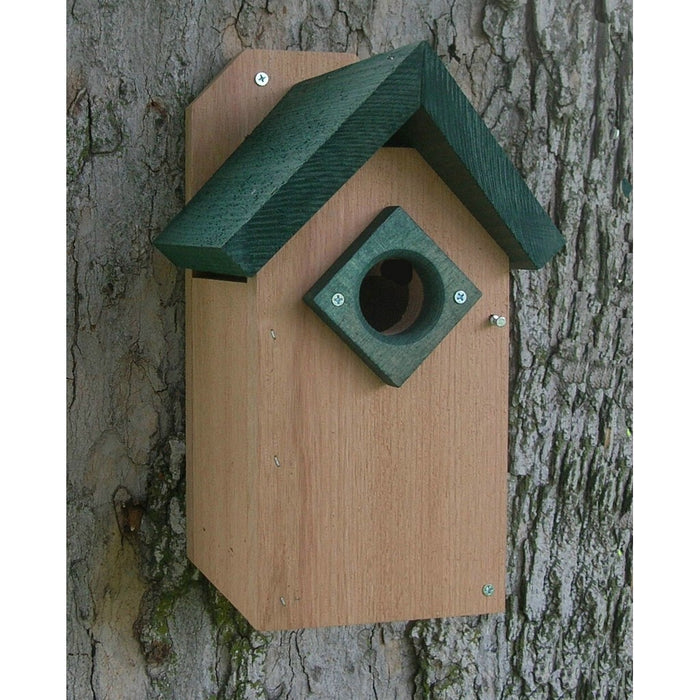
[321,132]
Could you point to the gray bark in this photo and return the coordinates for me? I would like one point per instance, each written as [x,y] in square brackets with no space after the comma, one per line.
[553,82]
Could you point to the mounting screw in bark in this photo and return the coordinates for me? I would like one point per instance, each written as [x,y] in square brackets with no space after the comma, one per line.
[488,590]
[460,296]
[262,79]
[338,299]
[496,320]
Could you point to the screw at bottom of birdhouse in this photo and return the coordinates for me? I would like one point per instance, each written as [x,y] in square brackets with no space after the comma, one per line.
[496,320]
[460,296]
[488,590]
[261,79]
[338,299]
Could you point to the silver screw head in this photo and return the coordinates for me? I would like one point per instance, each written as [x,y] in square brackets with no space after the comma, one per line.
[338,299]
[496,320]
[460,296]
[488,589]
[262,79]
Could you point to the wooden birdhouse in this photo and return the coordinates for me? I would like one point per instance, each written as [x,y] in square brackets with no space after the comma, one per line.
[348,236]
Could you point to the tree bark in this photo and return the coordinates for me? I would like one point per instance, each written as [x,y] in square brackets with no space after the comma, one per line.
[553,82]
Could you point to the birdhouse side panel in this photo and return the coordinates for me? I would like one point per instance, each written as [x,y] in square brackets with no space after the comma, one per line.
[222,388]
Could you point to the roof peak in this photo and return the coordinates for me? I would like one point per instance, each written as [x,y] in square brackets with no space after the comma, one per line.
[322,131]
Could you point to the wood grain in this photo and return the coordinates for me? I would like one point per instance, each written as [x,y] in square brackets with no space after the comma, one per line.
[390,503]
[222,432]
[317,495]
[322,131]
[220,404]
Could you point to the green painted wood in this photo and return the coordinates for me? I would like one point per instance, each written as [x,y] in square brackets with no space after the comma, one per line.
[392,236]
[321,132]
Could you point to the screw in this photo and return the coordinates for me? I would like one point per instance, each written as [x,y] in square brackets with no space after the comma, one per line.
[496,320]
[488,589]
[262,79]
[277,461]
[460,296]
[338,299]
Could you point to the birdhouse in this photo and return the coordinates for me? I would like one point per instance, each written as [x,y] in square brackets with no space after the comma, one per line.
[348,236]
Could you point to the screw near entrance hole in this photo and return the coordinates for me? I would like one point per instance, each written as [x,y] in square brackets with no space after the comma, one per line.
[389,296]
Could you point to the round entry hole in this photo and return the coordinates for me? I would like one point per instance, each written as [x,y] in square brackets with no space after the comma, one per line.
[392,296]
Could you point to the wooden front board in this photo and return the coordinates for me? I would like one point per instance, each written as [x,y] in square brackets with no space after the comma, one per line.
[316,494]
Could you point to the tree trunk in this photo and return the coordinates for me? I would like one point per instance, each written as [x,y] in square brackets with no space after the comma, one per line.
[553,82]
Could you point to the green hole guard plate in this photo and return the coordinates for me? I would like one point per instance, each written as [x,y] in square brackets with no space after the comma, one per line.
[447,295]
